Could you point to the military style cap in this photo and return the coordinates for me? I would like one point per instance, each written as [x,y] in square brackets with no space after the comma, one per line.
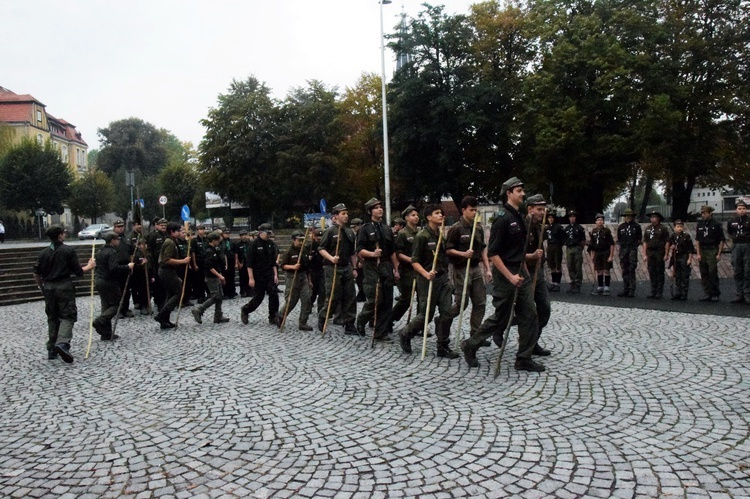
[213,236]
[536,200]
[200,226]
[740,202]
[408,210]
[628,213]
[338,208]
[118,222]
[511,183]
[399,221]
[54,230]
[317,232]
[598,216]
[372,203]
[253,233]
[243,232]
[298,234]
[678,222]
[265,227]
[109,237]
[707,209]
[655,214]
[162,221]
[226,230]
[356,221]
[572,213]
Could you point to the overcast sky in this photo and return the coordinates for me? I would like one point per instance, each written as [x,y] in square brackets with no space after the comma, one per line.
[92,62]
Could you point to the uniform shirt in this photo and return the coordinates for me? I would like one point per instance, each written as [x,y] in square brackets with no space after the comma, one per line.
[346,247]
[709,233]
[459,238]
[227,247]
[601,240]
[201,247]
[213,258]
[292,256]
[241,250]
[508,237]
[155,241]
[57,262]
[423,251]
[575,235]
[262,256]
[315,260]
[533,244]
[124,250]
[135,238]
[404,244]
[108,265]
[168,250]
[656,237]
[739,229]
[373,235]
[629,235]
[682,243]
[555,234]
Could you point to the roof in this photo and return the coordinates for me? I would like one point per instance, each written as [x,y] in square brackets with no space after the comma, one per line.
[15,112]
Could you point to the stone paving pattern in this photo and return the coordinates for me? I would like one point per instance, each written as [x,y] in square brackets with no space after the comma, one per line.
[653,404]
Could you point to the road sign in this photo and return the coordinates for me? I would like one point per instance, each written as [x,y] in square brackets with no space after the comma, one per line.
[162,200]
[185,213]
[142,203]
[323,206]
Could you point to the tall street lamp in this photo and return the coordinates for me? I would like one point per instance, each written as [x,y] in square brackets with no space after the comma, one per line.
[386,167]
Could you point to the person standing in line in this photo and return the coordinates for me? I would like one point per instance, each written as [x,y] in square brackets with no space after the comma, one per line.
[655,251]
[738,229]
[52,274]
[574,242]
[535,208]
[316,271]
[681,260]
[155,241]
[709,244]
[629,239]
[555,240]
[602,247]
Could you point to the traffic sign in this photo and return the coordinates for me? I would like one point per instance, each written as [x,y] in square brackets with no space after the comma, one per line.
[185,213]
[162,200]
[142,203]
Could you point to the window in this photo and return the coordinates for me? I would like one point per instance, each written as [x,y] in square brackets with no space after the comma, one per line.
[64,154]
[39,139]
[39,116]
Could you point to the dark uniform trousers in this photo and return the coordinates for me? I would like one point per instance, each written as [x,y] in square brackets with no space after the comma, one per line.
[628,265]
[299,289]
[709,268]
[554,257]
[172,285]
[442,298]
[109,295]
[741,264]
[216,297]
[405,284]
[61,310]
[264,285]
[476,293]
[681,275]
[157,286]
[344,294]
[138,288]
[525,312]
[229,290]
[575,266]
[542,302]
[375,273]
[318,291]
[655,260]
[122,280]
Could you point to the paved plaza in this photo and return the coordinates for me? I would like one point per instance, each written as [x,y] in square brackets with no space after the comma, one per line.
[633,404]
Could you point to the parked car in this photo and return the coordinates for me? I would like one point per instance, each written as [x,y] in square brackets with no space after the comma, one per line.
[94,231]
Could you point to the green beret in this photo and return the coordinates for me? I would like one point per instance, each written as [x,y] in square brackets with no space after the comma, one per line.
[338,208]
[536,200]
[372,203]
[408,210]
[511,183]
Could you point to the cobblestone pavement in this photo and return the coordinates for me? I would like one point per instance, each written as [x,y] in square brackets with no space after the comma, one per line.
[649,405]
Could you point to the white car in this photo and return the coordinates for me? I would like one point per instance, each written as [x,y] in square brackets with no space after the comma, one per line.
[94,231]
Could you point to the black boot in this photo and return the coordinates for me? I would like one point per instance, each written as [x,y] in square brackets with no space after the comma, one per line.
[444,351]
[470,354]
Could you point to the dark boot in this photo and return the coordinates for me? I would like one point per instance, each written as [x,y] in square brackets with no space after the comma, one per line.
[470,354]
[405,340]
[444,351]
[63,349]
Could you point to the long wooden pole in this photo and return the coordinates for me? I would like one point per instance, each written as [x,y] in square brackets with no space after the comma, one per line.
[333,284]
[411,298]
[124,292]
[91,306]
[429,292]
[375,310]
[294,281]
[459,333]
[184,279]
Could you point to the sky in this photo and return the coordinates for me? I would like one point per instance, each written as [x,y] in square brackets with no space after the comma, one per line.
[92,62]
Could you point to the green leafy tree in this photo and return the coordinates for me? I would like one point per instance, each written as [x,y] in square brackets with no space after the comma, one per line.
[33,177]
[91,195]
[132,145]
[179,182]
[6,139]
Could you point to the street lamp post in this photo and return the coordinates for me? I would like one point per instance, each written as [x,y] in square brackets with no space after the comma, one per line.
[386,166]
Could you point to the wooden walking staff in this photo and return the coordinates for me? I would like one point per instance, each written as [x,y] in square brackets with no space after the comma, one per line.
[375,311]
[186,219]
[294,280]
[541,243]
[429,291]
[512,312]
[124,292]
[411,298]
[333,284]
[459,333]
[91,307]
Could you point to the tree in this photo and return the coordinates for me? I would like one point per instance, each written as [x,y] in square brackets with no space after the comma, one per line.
[238,151]
[179,182]
[91,195]
[6,139]
[32,177]
[132,145]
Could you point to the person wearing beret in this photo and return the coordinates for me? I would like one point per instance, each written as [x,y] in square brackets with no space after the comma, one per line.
[155,241]
[107,278]
[655,252]
[602,247]
[574,242]
[555,240]
[681,260]
[262,275]
[629,239]
[295,262]
[212,268]
[170,261]
[738,229]
[709,244]
[404,243]
[52,273]
[535,208]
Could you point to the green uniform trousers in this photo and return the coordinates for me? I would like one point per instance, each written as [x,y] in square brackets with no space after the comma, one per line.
[405,284]
[574,258]
[299,291]
[442,298]
[344,294]
[375,273]
[61,310]
[709,268]
[476,292]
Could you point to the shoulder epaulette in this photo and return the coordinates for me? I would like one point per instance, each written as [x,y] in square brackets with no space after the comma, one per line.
[501,213]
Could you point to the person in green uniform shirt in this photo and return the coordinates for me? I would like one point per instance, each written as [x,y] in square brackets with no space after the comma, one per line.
[574,242]
[296,261]
[681,260]
[535,208]
[155,241]
[629,238]
[169,263]
[404,242]
[52,273]
[555,240]
[738,229]
[213,265]
[602,247]
[655,251]
[422,257]
[263,275]
[709,244]
[107,279]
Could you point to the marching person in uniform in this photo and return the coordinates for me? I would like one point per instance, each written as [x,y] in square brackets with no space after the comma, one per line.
[109,269]
[376,249]
[263,275]
[295,263]
[138,275]
[709,243]
[52,274]
[602,247]
[200,245]
[423,255]
[155,241]
[507,252]
[212,266]
[629,238]
[316,271]
[404,242]
[738,229]
[240,259]
[228,247]
[655,251]
[681,259]
[535,208]
[169,263]
[356,225]
[574,242]
[124,255]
